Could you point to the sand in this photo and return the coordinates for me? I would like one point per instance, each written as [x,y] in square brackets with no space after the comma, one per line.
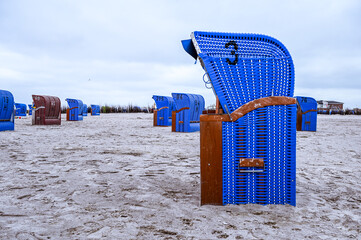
[115,176]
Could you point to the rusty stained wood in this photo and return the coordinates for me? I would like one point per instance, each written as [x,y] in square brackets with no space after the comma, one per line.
[299,119]
[174,121]
[248,107]
[260,103]
[155,115]
[219,109]
[251,162]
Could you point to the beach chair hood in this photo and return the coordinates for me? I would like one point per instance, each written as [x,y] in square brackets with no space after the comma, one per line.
[6,111]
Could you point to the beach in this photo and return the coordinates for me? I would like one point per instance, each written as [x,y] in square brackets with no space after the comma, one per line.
[115,176]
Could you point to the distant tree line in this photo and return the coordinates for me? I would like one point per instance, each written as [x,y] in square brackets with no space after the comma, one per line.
[355,111]
[118,109]
[136,109]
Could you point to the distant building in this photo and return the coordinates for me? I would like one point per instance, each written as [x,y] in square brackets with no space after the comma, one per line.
[324,106]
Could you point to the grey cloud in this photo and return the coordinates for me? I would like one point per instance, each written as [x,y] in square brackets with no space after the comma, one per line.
[131,50]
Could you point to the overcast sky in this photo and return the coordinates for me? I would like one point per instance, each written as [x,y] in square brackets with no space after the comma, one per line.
[120,52]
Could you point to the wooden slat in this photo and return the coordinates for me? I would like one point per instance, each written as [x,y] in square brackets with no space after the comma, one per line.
[311,110]
[174,113]
[260,103]
[162,108]
[211,162]
[155,115]
[299,119]
[251,162]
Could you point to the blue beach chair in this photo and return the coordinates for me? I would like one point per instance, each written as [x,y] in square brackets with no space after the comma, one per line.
[75,110]
[85,110]
[248,155]
[20,110]
[31,106]
[189,109]
[95,110]
[6,111]
[306,114]
[163,114]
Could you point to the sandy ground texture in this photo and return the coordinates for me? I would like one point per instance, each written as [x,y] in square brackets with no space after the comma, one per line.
[115,176]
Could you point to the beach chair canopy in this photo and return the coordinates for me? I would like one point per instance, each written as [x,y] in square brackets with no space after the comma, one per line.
[30,108]
[20,109]
[85,110]
[75,103]
[6,110]
[47,110]
[194,102]
[243,67]
[306,103]
[163,113]
[75,111]
[165,101]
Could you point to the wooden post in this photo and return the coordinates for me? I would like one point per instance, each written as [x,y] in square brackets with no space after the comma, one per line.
[155,115]
[211,159]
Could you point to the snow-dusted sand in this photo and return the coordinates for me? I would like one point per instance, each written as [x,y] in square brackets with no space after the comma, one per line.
[115,176]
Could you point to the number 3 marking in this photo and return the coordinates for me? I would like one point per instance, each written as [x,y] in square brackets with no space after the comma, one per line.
[233,52]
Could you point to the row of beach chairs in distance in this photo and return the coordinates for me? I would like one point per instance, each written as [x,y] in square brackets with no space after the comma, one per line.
[77,110]
[181,111]
[45,110]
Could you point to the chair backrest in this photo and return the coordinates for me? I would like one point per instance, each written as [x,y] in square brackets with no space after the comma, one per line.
[243,67]
[81,109]
[165,101]
[30,108]
[194,102]
[85,110]
[75,103]
[75,109]
[20,109]
[306,114]
[48,107]
[306,103]
[6,106]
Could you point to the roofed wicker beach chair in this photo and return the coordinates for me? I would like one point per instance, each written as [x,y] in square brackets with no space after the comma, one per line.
[306,114]
[189,108]
[20,110]
[95,110]
[163,114]
[47,110]
[248,148]
[6,111]
[75,110]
